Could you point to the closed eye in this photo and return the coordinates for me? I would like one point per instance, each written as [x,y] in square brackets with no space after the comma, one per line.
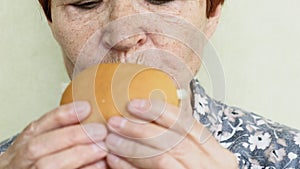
[87,4]
[158,2]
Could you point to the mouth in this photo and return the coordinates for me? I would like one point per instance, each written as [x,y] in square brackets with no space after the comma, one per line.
[123,57]
[160,59]
[148,57]
[137,58]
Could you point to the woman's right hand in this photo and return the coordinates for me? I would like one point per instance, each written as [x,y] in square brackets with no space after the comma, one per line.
[57,140]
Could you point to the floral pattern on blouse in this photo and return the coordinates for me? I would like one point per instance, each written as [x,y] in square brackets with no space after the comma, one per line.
[258,143]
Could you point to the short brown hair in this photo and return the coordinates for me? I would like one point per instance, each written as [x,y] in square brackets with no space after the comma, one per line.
[211,7]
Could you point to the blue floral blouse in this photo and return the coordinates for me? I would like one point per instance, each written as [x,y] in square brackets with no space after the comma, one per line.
[258,143]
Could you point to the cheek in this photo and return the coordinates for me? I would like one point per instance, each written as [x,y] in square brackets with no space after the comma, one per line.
[72,34]
[189,46]
[180,53]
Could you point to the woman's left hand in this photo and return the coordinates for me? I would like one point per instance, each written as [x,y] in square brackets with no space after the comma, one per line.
[172,140]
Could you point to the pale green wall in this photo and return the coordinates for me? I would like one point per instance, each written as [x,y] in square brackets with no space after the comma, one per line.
[31,67]
[257,42]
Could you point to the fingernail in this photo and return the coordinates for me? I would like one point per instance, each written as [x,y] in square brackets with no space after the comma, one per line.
[99,147]
[82,109]
[113,140]
[117,122]
[100,165]
[95,131]
[137,105]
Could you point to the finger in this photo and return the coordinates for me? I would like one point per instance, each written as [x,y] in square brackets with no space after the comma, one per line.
[97,165]
[168,116]
[190,155]
[170,142]
[164,161]
[164,114]
[128,148]
[62,116]
[140,155]
[63,138]
[154,110]
[115,162]
[133,129]
[74,157]
[146,133]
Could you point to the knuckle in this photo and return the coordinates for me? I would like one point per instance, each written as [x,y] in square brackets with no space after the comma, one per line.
[84,152]
[31,129]
[61,114]
[64,108]
[31,150]
[134,149]
[78,150]
[130,148]
[139,132]
[73,135]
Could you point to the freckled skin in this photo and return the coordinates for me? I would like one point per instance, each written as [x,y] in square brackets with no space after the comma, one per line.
[73,28]
[84,37]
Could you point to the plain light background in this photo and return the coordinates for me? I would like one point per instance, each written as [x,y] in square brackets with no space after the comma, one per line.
[257,42]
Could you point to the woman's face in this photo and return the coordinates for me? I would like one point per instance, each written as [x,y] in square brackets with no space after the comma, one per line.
[130,31]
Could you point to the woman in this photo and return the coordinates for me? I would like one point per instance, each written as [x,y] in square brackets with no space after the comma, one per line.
[241,139]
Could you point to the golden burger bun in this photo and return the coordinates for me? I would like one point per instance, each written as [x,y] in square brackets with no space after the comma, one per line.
[109,88]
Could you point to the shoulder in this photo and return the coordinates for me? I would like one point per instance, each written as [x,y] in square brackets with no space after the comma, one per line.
[256,141]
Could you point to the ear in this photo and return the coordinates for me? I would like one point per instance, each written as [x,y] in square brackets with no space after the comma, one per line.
[212,22]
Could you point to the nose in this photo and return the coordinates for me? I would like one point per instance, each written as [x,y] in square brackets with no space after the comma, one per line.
[122,39]
[123,33]
[116,41]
